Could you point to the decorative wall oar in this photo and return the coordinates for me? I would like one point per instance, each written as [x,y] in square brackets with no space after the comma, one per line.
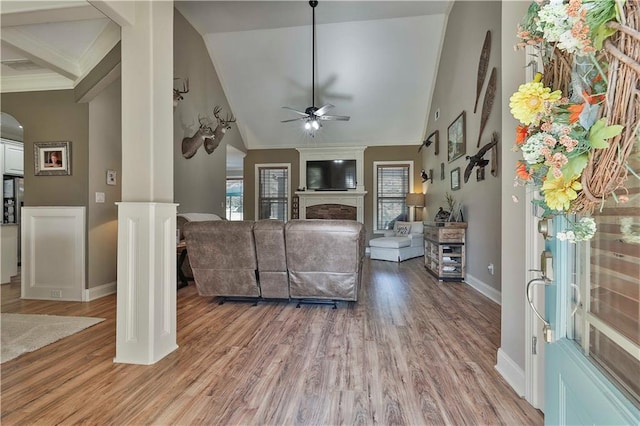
[483,66]
[489,96]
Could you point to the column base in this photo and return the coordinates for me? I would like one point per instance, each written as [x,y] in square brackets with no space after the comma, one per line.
[146,301]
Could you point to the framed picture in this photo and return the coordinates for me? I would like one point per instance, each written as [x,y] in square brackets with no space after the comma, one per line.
[455,179]
[52,158]
[456,138]
[434,138]
[480,174]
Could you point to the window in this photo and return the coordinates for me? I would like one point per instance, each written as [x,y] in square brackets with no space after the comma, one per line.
[272,195]
[235,192]
[607,320]
[392,181]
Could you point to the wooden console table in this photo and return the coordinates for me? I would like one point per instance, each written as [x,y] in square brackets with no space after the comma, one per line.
[444,250]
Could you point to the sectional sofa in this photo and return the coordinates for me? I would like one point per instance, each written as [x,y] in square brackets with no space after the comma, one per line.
[305,260]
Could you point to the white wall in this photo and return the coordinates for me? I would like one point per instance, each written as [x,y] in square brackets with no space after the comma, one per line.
[105,153]
[455,92]
[512,345]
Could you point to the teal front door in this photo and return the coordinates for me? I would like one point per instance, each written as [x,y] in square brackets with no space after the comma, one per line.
[582,387]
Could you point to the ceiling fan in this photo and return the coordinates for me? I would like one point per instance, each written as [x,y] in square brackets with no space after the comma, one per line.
[312,116]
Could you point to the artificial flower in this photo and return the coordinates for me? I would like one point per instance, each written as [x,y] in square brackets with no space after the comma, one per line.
[534,148]
[522,172]
[560,191]
[529,101]
[521,134]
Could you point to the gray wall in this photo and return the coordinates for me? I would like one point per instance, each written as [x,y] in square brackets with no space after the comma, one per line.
[199,182]
[371,154]
[105,153]
[52,116]
[455,91]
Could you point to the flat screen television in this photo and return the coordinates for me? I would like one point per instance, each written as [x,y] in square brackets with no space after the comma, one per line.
[331,175]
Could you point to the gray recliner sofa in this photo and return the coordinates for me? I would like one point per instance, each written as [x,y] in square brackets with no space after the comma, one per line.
[324,258]
[303,259]
[223,258]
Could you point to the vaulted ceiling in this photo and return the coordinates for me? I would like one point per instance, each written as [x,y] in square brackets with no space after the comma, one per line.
[376,61]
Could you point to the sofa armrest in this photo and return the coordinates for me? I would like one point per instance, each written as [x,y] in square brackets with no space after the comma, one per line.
[417,240]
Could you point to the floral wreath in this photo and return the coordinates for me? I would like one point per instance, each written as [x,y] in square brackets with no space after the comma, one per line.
[573,139]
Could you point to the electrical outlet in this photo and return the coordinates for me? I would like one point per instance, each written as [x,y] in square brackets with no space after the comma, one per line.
[56,293]
[490,268]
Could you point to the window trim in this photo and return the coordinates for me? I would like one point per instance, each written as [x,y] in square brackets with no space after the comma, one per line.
[376,164]
[256,212]
[582,272]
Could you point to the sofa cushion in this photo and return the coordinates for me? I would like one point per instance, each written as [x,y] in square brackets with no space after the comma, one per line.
[390,242]
[401,228]
[417,227]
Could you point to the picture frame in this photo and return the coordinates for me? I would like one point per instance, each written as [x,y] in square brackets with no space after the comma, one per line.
[457,138]
[480,174]
[434,138]
[455,179]
[52,158]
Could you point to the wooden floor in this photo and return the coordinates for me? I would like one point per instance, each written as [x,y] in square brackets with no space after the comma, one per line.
[412,351]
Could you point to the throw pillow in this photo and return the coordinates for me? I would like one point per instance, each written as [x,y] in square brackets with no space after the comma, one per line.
[402,229]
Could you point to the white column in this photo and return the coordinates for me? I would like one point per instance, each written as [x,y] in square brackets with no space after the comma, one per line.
[146,309]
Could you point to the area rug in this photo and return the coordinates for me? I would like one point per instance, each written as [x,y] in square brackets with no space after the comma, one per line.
[22,333]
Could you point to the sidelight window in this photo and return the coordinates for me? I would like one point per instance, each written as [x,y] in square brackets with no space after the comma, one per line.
[607,320]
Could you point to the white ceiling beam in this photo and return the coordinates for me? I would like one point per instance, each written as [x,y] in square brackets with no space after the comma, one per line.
[122,13]
[40,53]
[19,13]
[108,38]
[34,83]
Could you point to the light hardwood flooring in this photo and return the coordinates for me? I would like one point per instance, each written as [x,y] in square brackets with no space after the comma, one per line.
[412,351]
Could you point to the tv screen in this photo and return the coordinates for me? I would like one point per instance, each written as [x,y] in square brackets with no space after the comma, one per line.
[331,175]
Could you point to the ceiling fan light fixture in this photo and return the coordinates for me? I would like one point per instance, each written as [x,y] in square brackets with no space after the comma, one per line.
[312,115]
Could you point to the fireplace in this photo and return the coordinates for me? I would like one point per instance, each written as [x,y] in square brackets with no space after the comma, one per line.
[332,204]
[332,211]
[317,202]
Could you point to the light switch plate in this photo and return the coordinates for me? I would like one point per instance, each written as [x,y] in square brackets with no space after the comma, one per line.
[111,177]
[99,197]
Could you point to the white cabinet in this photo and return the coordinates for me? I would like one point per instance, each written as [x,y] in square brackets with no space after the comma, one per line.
[13,158]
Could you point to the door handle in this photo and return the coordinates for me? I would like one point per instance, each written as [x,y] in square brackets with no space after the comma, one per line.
[532,283]
[546,264]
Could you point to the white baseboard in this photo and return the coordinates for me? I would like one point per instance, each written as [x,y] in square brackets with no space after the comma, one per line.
[484,288]
[511,372]
[94,293]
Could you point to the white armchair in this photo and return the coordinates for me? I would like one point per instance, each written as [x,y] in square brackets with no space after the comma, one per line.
[405,241]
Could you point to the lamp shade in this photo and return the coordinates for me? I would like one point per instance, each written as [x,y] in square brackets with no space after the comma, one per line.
[415,199]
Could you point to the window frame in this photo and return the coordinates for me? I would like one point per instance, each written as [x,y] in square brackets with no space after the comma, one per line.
[579,327]
[257,169]
[376,165]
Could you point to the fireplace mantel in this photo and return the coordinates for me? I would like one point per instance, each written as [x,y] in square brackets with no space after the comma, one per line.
[347,198]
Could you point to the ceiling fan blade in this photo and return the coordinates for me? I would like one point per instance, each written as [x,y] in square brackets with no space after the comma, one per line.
[334,117]
[296,111]
[323,109]
[293,119]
